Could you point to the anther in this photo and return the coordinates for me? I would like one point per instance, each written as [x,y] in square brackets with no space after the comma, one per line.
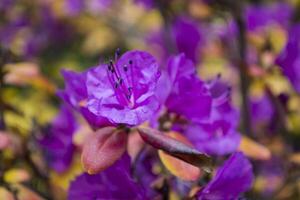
[129,89]
[118,52]
[130,62]
[125,68]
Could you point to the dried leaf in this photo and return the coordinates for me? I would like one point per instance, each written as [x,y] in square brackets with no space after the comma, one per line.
[175,148]
[103,149]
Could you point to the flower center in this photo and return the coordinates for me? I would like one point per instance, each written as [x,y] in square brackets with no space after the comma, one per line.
[121,80]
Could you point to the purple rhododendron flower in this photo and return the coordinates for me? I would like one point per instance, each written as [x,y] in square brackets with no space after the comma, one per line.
[124,92]
[189,95]
[219,135]
[57,142]
[121,92]
[289,58]
[231,179]
[113,183]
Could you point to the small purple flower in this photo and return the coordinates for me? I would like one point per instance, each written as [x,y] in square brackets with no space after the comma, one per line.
[113,183]
[232,179]
[218,135]
[57,143]
[262,111]
[120,92]
[189,95]
[289,58]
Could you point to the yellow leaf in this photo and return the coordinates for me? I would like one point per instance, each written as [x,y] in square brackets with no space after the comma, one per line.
[4,194]
[16,176]
[254,150]
[63,180]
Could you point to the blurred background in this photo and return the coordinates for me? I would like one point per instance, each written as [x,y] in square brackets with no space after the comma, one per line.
[246,42]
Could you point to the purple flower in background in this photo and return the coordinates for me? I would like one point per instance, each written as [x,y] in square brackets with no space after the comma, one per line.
[146,3]
[113,183]
[218,135]
[57,142]
[260,16]
[262,111]
[144,174]
[187,37]
[75,7]
[231,179]
[189,95]
[289,58]
[121,92]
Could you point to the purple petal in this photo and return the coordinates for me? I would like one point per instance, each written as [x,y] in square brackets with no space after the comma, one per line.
[113,183]
[232,179]
[57,143]
[189,96]
[187,37]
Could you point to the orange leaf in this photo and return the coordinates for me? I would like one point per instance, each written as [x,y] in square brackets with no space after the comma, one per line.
[176,166]
[103,149]
[135,144]
[254,150]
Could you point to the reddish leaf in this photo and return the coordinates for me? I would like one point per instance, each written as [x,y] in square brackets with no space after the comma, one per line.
[177,166]
[4,140]
[175,148]
[103,149]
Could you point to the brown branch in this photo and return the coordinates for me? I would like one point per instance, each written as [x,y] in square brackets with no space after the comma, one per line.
[237,11]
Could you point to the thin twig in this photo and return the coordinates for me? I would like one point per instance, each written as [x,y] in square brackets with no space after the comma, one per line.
[237,12]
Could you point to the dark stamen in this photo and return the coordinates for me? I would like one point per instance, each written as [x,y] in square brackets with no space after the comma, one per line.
[125,68]
[118,52]
[130,62]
